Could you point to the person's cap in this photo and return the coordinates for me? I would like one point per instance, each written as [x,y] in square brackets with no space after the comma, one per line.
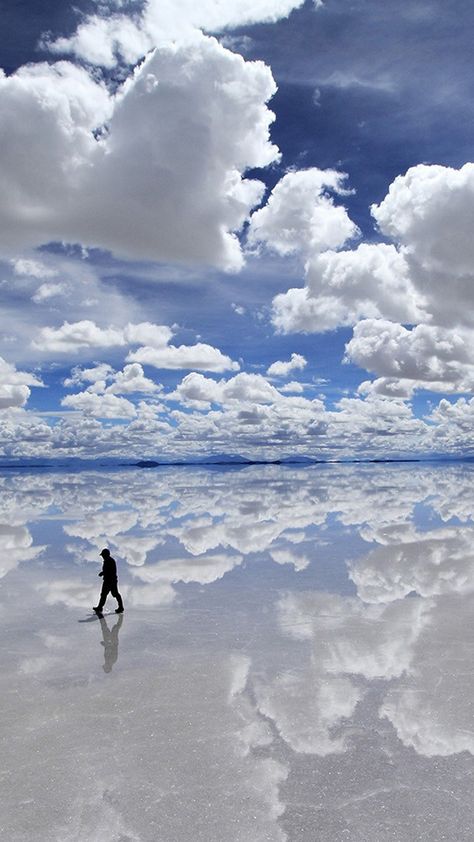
[105,551]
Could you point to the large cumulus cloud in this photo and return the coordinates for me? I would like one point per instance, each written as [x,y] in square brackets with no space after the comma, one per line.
[424,278]
[345,286]
[430,356]
[300,214]
[15,385]
[153,171]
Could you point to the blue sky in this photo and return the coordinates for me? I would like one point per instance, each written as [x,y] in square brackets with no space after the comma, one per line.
[166,240]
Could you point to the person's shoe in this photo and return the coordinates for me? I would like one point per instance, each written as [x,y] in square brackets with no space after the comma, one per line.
[97,609]
[119,610]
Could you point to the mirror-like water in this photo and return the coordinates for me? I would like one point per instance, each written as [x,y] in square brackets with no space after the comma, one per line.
[295,661]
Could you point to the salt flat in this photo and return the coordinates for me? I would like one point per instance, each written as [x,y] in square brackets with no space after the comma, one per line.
[295,660]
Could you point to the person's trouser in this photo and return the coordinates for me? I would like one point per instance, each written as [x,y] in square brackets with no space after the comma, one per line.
[110,586]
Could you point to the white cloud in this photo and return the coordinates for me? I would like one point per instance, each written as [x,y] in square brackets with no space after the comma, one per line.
[163,181]
[282,369]
[10,376]
[460,413]
[300,215]
[13,396]
[427,201]
[241,388]
[428,356]
[99,400]
[101,371]
[199,356]
[100,406]
[378,424]
[146,333]
[39,169]
[254,418]
[344,79]
[86,334]
[32,268]
[76,336]
[196,388]
[453,426]
[130,380]
[238,308]
[14,385]
[47,291]
[292,387]
[101,40]
[249,416]
[342,287]
[430,212]
[390,387]
[87,294]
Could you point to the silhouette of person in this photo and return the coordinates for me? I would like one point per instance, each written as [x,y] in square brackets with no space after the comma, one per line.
[110,640]
[109,583]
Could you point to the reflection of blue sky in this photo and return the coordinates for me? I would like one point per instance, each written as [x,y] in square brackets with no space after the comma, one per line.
[280,623]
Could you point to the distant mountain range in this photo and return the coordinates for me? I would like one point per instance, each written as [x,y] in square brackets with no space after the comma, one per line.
[219,459]
[241,461]
[223,459]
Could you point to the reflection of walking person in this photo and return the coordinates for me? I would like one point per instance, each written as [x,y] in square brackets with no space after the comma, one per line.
[110,639]
[109,583]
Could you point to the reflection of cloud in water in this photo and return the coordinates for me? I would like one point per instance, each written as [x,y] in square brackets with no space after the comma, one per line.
[159,578]
[312,688]
[204,509]
[16,546]
[196,525]
[243,537]
[432,708]
[288,555]
[430,563]
[102,523]
[66,591]
[245,510]
[348,636]
[203,570]
[134,549]
[145,765]
[305,706]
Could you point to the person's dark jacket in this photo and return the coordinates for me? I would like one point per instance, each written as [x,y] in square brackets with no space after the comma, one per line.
[109,569]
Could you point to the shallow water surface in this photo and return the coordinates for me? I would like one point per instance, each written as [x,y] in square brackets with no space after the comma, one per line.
[295,661]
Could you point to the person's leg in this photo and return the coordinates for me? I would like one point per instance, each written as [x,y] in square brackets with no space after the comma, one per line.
[115,593]
[103,595]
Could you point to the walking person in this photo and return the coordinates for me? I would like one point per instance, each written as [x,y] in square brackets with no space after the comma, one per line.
[109,583]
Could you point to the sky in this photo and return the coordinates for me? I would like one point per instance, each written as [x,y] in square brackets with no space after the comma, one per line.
[236,228]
